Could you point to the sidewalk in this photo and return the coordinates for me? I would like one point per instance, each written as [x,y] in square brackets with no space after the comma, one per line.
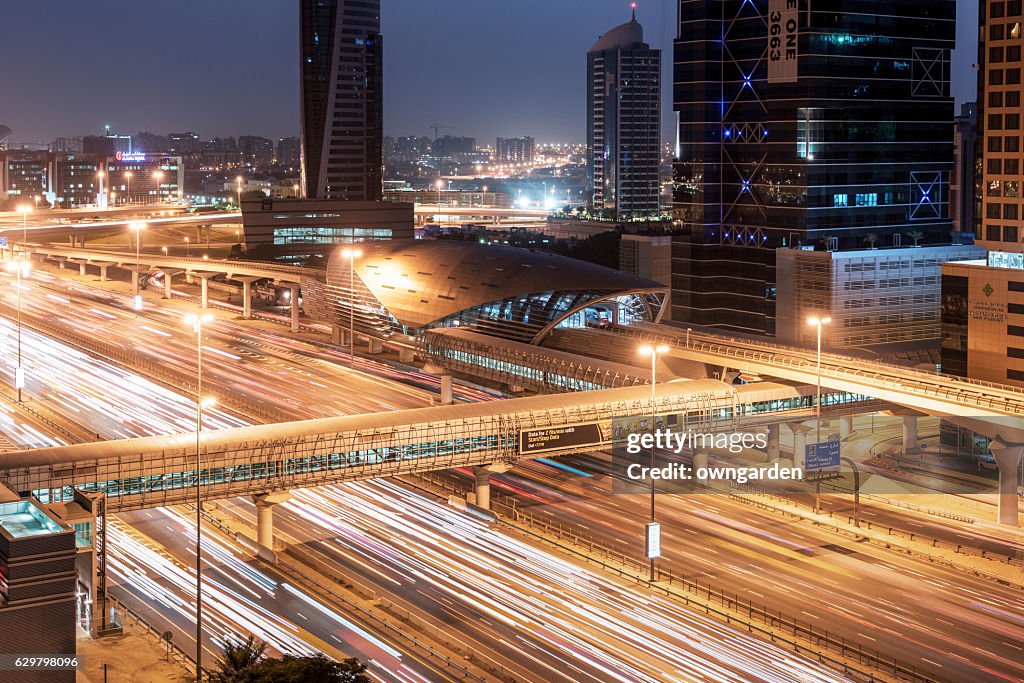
[135,657]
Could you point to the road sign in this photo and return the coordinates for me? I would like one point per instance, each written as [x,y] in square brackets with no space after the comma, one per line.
[550,439]
[3,241]
[820,456]
[652,546]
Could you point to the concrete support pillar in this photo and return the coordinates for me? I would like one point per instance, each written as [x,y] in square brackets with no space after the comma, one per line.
[265,503]
[375,346]
[103,273]
[265,524]
[62,262]
[81,269]
[204,297]
[135,280]
[446,390]
[1008,457]
[293,303]
[246,281]
[167,285]
[773,442]
[483,487]
[406,355]
[189,279]
[910,434]
[845,426]
[799,443]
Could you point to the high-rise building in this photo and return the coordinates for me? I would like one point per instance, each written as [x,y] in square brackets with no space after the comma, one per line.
[288,152]
[342,98]
[999,124]
[624,122]
[514,150]
[258,152]
[449,146]
[803,126]
[963,185]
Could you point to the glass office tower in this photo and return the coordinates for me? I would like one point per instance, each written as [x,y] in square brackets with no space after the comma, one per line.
[342,97]
[819,125]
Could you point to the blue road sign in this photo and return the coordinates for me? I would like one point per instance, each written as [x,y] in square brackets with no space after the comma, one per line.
[3,241]
[822,455]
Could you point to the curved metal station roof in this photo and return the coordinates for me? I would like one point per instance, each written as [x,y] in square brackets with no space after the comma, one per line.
[422,281]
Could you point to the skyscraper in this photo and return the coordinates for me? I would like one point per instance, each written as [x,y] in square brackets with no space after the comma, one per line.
[624,122]
[342,93]
[823,126]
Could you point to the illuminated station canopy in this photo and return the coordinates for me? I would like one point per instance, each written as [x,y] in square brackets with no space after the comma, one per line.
[404,287]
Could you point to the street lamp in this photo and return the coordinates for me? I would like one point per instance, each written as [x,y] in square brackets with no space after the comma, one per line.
[99,190]
[25,210]
[351,254]
[128,187]
[439,184]
[238,189]
[818,323]
[295,190]
[197,326]
[138,228]
[188,248]
[158,176]
[653,549]
[21,269]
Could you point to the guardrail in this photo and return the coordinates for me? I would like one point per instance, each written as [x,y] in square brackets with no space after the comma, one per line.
[679,587]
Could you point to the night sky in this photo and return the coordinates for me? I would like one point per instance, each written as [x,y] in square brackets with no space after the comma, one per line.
[230,67]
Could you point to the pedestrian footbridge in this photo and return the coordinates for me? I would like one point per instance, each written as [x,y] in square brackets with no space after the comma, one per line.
[155,471]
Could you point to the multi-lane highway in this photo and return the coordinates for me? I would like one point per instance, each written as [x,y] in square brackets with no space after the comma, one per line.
[908,610]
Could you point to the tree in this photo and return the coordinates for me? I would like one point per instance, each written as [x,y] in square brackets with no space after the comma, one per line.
[916,235]
[246,662]
[238,658]
[871,238]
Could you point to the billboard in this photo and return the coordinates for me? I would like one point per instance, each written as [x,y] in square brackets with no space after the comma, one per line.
[783,37]
[549,439]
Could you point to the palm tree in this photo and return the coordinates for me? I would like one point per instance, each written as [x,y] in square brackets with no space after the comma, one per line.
[237,659]
[916,235]
[871,238]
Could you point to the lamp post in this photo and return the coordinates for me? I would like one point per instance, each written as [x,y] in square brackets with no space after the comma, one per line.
[188,248]
[818,323]
[439,184]
[295,190]
[158,176]
[238,190]
[138,228]
[197,327]
[652,529]
[128,187]
[352,254]
[25,210]
[99,191]
[21,269]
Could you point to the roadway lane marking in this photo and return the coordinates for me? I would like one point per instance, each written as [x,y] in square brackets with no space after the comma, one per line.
[303,616]
[931,662]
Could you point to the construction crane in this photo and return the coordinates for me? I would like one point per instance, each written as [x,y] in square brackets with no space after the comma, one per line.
[436,128]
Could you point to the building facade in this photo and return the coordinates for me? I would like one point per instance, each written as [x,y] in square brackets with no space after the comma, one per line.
[342,99]
[983,318]
[301,228]
[514,150]
[875,297]
[964,185]
[37,587]
[624,122]
[822,124]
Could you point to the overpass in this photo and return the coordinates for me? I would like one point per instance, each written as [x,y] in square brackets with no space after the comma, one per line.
[72,230]
[993,410]
[202,269]
[266,460]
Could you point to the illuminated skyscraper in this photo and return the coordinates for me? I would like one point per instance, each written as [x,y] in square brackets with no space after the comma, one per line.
[342,92]
[624,122]
[804,125]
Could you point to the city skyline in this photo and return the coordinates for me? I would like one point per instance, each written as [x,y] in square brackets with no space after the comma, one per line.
[256,90]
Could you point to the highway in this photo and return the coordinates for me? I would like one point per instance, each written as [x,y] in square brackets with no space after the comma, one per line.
[165,569]
[957,626]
